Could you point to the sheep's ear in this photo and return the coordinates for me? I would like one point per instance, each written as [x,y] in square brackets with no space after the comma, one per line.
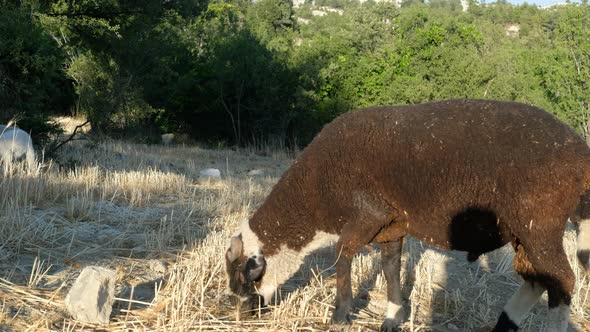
[235,248]
[255,267]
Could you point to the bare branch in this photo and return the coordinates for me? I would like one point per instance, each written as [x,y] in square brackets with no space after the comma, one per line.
[71,136]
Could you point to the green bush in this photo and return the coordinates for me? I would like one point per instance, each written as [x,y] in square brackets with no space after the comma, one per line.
[33,85]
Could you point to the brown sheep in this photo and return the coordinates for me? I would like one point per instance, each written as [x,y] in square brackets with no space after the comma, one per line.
[467,175]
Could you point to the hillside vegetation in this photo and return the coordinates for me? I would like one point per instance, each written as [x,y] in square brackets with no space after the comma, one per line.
[239,72]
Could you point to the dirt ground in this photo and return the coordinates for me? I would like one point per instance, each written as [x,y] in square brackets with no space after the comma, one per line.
[146,212]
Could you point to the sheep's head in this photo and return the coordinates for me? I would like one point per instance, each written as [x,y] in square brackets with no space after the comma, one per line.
[244,273]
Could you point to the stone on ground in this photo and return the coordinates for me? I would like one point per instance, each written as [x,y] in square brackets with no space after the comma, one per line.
[91,298]
[255,172]
[210,172]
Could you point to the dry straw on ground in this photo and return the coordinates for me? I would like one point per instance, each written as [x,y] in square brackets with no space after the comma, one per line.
[123,206]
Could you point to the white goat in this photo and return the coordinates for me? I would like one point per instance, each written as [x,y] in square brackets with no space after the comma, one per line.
[16,145]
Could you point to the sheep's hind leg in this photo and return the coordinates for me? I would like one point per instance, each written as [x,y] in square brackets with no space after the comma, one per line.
[518,306]
[391,253]
[526,296]
[554,272]
[542,262]
[560,285]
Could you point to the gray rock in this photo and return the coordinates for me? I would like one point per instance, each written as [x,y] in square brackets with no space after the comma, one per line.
[167,139]
[176,138]
[255,172]
[90,300]
[210,172]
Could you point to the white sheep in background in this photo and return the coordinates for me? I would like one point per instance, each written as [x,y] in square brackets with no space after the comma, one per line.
[16,145]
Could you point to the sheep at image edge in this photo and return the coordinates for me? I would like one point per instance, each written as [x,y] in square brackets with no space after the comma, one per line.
[468,175]
[16,145]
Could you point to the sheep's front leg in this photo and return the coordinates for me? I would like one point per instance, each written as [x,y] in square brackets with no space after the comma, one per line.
[391,253]
[353,237]
[343,305]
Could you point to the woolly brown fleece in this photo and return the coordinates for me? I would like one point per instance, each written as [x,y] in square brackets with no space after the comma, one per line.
[468,175]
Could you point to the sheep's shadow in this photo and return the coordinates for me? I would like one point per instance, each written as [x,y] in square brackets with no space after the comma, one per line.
[319,268]
[470,296]
[133,297]
[458,288]
[321,264]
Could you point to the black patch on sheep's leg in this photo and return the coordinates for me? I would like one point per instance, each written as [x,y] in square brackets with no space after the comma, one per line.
[391,253]
[475,230]
[556,294]
[256,305]
[343,305]
[505,324]
[472,256]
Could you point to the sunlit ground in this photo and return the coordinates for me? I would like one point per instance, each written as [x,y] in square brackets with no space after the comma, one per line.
[122,206]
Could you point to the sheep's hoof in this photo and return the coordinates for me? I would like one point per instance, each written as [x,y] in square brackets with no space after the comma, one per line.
[390,325]
[340,317]
[339,327]
[257,305]
[505,324]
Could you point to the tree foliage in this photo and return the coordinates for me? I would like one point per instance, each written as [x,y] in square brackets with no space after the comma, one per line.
[238,71]
[32,82]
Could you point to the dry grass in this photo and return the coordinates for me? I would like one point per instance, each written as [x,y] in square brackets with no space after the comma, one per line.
[123,206]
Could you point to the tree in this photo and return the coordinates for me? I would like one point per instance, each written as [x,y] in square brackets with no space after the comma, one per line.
[566,71]
[33,85]
[124,56]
